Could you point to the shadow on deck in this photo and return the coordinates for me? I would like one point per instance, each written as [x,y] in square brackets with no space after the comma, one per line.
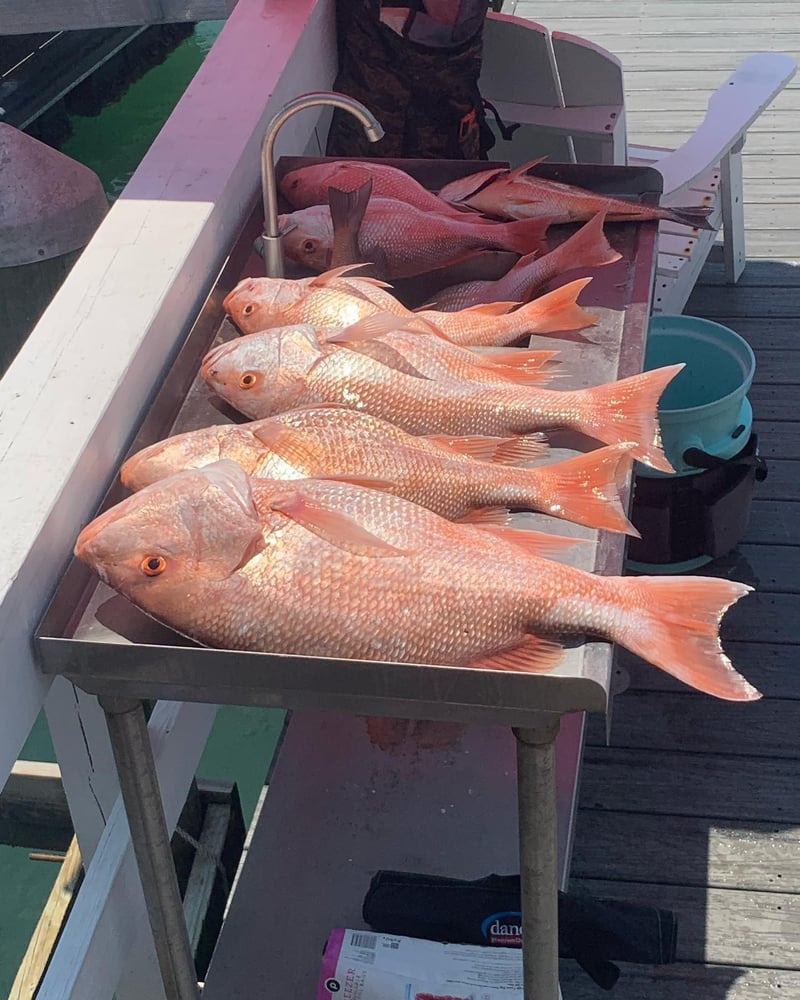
[695,806]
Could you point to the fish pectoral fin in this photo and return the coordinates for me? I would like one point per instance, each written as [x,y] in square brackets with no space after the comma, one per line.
[330,276]
[287,443]
[484,516]
[532,655]
[482,180]
[368,328]
[331,524]
[536,543]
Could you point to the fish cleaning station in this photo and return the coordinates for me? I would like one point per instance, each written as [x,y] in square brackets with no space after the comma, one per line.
[403,779]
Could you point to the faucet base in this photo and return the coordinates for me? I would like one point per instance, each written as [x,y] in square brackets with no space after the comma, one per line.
[272,251]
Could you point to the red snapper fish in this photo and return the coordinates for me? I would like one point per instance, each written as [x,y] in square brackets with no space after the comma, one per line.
[387,339]
[309,186]
[452,476]
[403,241]
[586,248]
[318,568]
[517,194]
[336,299]
[277,370]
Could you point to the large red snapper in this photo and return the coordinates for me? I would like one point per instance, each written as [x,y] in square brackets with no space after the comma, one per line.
[451,477]
[276,370]
[309,185]
[336,299]
[403,241]
[327,569]
[517,194]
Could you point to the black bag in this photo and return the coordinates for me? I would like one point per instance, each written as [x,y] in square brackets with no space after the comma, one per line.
[595,932]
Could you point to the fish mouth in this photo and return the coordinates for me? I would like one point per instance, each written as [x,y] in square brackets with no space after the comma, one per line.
[215,355]
[245,285]
[86,539]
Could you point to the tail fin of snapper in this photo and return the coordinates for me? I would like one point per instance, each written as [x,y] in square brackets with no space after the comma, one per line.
[557,310]
[347,213]
[691,215]
[524,237]
[585,489]
[589,246]
[673,623]
[628,411]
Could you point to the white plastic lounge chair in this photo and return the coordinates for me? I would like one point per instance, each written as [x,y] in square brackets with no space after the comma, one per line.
[568,96]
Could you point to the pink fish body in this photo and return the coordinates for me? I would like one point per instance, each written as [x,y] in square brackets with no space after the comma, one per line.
[328,569]
[517,194]
[308,186]
[334,300]
[277,370]
[586,248]
[403,241]
[451,477]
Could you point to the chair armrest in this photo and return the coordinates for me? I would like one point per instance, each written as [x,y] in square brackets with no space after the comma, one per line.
[732,109]
[577,122]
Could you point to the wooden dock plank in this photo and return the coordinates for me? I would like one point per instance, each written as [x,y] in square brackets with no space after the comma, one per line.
[778,439]
[719,926]
[745,302]
[661,720]
[760,857]
[774,523]
[686,783]
[684,980]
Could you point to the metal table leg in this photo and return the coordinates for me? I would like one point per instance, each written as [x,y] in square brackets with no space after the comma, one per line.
[538,855]
[133,754]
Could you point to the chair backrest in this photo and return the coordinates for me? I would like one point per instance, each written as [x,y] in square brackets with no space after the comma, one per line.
[590,75]
[523,64]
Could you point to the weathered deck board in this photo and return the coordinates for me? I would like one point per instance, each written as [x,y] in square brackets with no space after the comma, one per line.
[661,720]
[778,439]
[774,523]
[720,926]
[760,857]
[682,981]
[773,402]
[670,783]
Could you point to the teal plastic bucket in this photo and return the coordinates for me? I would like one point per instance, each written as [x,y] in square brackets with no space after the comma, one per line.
[704,409]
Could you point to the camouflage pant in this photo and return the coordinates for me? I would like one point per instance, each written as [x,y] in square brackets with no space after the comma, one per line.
[425,98]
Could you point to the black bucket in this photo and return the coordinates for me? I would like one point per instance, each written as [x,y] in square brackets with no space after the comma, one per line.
[688,521]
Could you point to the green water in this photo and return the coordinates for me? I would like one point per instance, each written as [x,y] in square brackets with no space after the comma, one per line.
[243,740]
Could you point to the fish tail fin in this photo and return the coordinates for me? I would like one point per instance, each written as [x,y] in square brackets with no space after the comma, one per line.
[690,215]
[585,489]
[628,411]
[589,246]
[673,623]
[347,210]
[524,237]
[557,310]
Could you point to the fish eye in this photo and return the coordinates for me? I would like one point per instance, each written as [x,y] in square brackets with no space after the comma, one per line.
[249,309]
[308,246]
[153,565]
[248,380]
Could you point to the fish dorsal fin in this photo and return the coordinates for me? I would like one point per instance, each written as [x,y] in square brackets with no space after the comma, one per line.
[368,328]
[531,655]
[491,308]
[331,276]
[501,451]
[330,523]
[535,543]
[521,170]
[487,516]
[479,182]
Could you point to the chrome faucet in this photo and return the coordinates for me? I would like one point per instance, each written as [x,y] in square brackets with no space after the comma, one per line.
[272,249]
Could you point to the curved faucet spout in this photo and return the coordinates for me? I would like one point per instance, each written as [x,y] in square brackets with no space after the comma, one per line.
[272,249]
